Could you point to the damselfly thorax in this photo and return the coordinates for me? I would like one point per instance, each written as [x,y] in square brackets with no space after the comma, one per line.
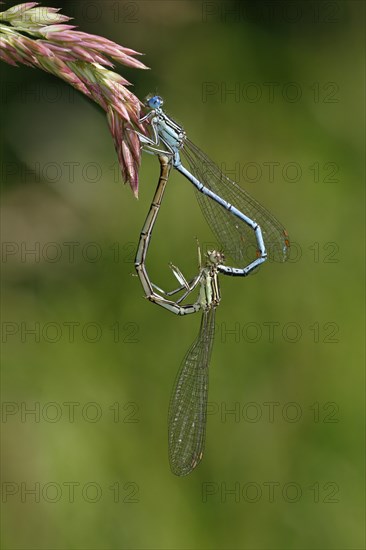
[209,295]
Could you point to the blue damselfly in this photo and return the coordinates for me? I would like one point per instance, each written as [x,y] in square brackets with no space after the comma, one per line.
[244,228]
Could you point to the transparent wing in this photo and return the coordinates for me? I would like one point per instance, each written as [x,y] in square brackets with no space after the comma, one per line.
[188,403]
[237,239]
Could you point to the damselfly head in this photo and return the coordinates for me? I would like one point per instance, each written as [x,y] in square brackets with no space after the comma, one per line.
[214,257]
[154,101]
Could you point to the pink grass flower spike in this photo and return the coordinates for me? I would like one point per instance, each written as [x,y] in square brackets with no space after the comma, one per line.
[40,37]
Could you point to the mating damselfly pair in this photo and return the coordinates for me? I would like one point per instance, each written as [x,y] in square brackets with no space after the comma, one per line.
[241,225]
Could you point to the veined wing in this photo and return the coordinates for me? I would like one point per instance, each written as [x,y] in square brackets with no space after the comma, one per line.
[237,238]
[188,403]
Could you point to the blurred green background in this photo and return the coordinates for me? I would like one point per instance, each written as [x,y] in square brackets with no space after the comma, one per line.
[285,470]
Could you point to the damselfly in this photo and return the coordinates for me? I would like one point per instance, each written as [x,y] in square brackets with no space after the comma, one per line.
[245,229]
[188,403]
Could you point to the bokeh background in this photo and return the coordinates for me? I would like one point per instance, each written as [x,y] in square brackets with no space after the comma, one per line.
[285,469]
